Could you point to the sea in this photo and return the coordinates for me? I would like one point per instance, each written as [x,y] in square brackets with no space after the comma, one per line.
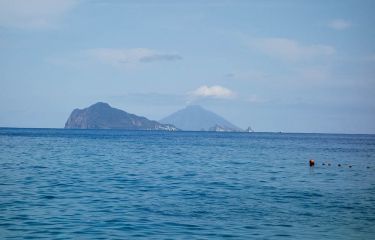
[115,184]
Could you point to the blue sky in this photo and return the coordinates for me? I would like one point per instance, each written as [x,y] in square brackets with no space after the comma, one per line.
[291,66]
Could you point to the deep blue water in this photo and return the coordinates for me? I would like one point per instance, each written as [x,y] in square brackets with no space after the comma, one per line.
[108,184]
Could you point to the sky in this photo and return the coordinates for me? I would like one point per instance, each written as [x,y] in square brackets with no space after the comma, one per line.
[289,66]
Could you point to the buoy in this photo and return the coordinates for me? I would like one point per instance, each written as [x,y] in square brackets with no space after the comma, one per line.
[323,164]
[339,165]
[312,162]
[350,166]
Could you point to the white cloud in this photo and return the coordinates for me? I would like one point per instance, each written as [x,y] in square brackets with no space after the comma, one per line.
[290,50]
[214,91]
[130,57]
[339,24]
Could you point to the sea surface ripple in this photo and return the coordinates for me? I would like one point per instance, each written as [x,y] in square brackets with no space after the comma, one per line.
[113,184]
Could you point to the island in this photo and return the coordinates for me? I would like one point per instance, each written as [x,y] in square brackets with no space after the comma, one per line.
[102,116]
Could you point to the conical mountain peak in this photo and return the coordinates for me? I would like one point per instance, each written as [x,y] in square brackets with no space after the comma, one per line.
[197,118]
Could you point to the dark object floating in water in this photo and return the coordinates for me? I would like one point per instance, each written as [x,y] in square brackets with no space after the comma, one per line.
[367,167]
[323,164]
[350,166]
[339,165]
[312,162]
[49,197]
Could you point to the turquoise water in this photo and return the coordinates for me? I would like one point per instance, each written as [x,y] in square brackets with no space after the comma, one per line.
[104,184]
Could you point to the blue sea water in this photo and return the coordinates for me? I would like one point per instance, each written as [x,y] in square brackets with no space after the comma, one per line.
[111,184]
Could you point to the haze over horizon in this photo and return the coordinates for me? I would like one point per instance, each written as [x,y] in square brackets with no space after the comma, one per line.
[290,66]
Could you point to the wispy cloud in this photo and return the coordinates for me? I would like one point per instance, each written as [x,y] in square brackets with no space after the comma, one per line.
[131,57]
[160,57]
[339,24]
[33,14]
[248,75]
[370,58]
[313,75]
[214,92]
[291,50]
[150,98]
[253,98]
